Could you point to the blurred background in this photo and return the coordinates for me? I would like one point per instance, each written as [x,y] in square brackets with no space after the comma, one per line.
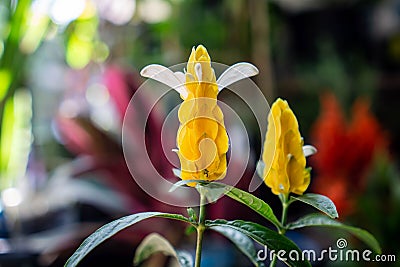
[68,69]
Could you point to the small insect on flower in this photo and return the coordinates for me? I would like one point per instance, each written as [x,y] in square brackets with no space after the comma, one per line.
[284,155]
[202,139]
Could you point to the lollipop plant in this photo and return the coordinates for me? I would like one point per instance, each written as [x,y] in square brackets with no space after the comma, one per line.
[202,144]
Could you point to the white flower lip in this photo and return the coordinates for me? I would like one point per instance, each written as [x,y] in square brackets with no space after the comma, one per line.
[237,72]
[177,80]
[166,76]
[199,72]
[309,150]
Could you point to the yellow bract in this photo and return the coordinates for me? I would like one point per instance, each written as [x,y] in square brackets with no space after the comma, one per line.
[202,139]
[283,155]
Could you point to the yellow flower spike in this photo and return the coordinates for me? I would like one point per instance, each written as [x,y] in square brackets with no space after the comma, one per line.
[202,139]
[286,168]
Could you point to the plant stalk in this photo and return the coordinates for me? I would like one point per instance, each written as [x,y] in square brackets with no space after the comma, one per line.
[200,228]
[285,205]
[282,230]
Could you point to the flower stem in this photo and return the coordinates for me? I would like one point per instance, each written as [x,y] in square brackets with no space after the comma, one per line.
[285,205]
[200,228]
[282,230]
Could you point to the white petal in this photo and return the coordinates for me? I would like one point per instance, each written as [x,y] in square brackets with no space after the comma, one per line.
[199,72]
[180,76]
[177,172]
[260,169]
[235,73]
[257,180]
[165,76]
[309,150]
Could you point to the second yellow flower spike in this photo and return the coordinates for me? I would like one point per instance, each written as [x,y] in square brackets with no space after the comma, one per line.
[283,155]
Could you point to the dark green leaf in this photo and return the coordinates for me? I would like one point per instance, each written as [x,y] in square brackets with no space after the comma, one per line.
[322,220]
[155,243]
[111,229]
[319,202]
[271,239]
[251,201]
[241,241]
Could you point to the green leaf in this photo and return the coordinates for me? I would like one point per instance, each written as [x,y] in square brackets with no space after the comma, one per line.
[319,202]
[322,220]
[241,241]
[155,243]
[250,201]
[5,78]
[271,239]
[192,215]
[190,230]
[7,133]
[111,229]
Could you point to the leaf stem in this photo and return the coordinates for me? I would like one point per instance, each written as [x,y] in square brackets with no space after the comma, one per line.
[282,230]
[200,228]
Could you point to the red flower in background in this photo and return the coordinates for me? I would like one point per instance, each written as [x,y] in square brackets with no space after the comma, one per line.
[345,151]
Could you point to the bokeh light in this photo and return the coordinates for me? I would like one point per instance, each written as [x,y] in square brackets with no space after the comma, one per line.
[11,197]
[64,11]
